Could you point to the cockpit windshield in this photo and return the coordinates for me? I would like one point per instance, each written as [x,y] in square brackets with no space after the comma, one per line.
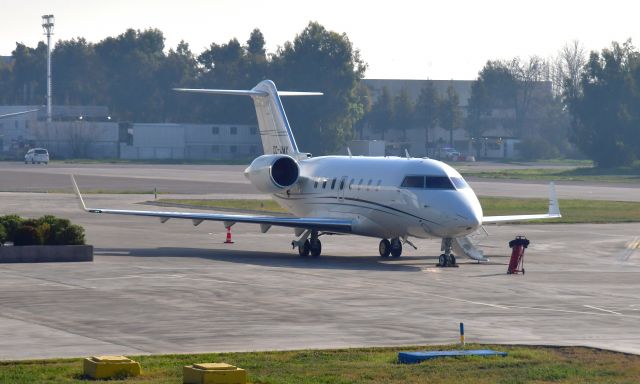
[459,183]
[433,182]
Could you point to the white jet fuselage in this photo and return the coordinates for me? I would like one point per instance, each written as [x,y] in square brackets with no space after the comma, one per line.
[370,192]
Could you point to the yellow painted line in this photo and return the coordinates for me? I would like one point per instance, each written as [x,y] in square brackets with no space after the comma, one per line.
[635,244]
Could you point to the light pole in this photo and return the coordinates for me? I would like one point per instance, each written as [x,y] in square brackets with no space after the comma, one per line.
[47,25]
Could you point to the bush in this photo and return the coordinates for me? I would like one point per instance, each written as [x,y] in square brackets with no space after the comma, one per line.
[49,226]
[10,223]
[534,148]
[3,235]
[27,235]
[47,230]
[71,235]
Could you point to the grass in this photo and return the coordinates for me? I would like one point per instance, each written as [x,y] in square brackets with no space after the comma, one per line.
[573,210]
[366,365]
[617,175]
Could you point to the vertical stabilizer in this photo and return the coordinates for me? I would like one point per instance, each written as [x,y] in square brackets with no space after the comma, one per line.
[275,131]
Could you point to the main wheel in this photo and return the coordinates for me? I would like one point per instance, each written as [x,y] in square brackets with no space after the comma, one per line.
[303,250]
[452,259]
[384,248]
[442,260]
[396,248]
[315,247]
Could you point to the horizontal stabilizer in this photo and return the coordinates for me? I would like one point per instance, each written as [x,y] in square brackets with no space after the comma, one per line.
[235,92]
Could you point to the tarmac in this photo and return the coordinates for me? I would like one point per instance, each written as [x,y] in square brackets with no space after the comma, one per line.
[176,288]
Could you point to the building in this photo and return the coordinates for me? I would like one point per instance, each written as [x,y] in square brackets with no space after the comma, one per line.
[498,141]
[191,142]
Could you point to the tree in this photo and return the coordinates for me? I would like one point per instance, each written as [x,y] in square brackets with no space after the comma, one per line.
[426,109]
[79,74]
[450,115]
[132,61]
[404,112]
[321,60]
[606,111]
[29,74]
[528,75]
[570,67]
[382,113]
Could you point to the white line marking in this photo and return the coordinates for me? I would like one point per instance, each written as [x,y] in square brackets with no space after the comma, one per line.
[602,309]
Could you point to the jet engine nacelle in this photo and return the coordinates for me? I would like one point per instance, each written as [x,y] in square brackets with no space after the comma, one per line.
[273,173]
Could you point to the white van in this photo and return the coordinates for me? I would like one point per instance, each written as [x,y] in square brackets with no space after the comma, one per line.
[37,155]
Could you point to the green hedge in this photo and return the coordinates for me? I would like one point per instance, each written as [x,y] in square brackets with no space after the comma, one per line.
[46,230]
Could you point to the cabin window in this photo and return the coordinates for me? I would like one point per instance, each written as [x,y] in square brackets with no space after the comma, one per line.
[438,182]
[253,131]
[360,184]
[351,183]
[342,184]
[315,185]
[413,182]
[369,184]
[459,183]
[324,184]
[215,130]
[233,130]
[378,185]
[333,183]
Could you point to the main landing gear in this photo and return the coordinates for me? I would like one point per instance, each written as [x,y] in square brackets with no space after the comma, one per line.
[310,245]
[447,259]
[393,248]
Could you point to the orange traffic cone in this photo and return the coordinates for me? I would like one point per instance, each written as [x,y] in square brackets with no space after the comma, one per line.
[228,240]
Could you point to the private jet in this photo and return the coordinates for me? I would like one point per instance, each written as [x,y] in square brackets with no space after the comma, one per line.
[389,198]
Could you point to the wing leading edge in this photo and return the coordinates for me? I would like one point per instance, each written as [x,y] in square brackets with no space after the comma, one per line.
[315,223]
[553,212]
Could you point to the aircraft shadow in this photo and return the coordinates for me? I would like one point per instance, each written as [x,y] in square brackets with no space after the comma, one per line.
[270,259]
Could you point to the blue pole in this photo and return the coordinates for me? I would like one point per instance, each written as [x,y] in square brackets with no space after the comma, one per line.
[462,334]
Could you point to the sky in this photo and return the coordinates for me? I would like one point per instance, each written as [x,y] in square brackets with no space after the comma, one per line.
[399,39]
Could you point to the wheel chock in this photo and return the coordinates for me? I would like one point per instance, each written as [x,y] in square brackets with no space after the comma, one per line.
[213,373]
[108,367]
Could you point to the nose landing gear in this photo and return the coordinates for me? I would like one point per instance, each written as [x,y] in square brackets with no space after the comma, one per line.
[447,259]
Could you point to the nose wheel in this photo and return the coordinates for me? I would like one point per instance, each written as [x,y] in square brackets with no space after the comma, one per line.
[447,259]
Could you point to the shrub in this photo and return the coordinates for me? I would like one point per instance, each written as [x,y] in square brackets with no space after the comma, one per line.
[71,235]
[47,230]
[49,226]
[10,223]
[27,235]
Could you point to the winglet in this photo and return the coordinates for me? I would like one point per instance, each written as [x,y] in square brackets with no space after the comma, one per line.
[77,190]
[554,206]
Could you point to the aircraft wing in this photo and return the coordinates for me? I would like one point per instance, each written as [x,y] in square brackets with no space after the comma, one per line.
[552,213]
[316,223]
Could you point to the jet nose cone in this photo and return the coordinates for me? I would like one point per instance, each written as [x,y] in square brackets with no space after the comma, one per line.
[471,217]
